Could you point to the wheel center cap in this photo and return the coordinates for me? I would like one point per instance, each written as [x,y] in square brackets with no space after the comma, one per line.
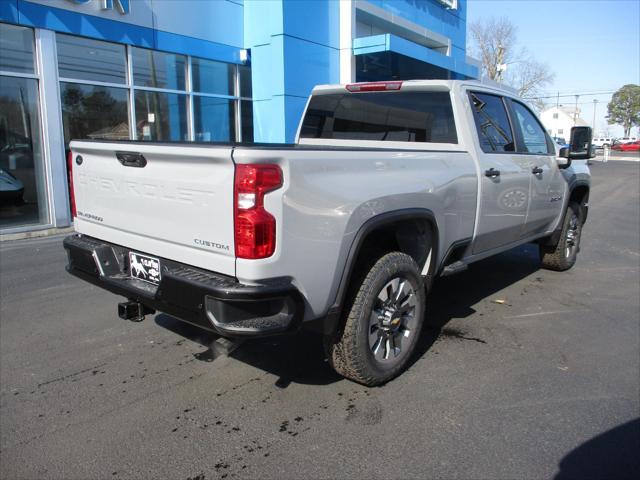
[391,318]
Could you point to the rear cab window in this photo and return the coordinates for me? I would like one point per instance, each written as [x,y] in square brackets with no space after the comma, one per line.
[382,116]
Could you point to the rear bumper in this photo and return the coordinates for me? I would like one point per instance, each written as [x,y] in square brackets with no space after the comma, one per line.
[209,300]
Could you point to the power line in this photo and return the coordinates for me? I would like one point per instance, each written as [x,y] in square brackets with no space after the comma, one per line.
[583,94]
[573,92]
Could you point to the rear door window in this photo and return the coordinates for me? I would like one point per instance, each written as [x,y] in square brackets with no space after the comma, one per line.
[382,116]
[492,123]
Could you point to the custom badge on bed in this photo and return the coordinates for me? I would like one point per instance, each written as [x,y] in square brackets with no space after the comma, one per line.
[144,268]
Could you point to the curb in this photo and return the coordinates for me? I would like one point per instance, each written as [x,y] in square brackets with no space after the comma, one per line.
[6,237]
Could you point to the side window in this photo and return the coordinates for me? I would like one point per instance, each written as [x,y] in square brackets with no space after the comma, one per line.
[492,123]
[531,132]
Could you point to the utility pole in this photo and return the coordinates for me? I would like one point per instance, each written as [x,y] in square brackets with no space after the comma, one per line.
[500,66]
[575,112]
[595,104]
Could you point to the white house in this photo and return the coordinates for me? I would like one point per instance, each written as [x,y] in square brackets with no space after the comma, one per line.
[559,120]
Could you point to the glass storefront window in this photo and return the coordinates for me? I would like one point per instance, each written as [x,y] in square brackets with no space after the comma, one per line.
[16,49]
[161,116]
[93,60]
[22,179]
[244,71]
[158,69]
[94,112]
[213,119]
[246,109]
[212,77]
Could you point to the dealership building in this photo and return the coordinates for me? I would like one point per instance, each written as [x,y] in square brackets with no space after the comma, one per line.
[189,70]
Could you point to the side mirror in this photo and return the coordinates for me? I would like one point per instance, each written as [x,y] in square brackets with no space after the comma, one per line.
[580,147]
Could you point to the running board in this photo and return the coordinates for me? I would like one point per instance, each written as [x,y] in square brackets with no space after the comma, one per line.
[453,268]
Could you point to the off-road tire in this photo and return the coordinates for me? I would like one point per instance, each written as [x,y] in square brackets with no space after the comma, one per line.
[349,352]
[556,257]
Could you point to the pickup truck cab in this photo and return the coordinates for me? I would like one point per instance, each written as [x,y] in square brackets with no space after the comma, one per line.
[388,186]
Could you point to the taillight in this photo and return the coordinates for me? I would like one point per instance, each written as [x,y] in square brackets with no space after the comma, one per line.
[255,228]
[374,86]
[72,196]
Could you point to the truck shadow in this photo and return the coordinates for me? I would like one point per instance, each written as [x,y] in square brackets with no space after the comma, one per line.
[299,358]
[454,297]
[612,454]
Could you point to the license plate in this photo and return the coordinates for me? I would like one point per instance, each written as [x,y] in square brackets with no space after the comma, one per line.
[144,268]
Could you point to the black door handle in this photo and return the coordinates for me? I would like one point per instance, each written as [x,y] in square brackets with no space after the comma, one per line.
[131,159]
[537,170]
[492,173]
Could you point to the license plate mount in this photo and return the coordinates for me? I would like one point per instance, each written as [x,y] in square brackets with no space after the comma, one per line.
[145,268]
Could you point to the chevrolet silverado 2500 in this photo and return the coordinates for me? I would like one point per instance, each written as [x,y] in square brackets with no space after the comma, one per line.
[388,186]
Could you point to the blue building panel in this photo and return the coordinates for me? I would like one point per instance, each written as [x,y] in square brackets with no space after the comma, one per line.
[9,11]
[267,126]
[262,20]
[267,70]
[392,43]
[289,56]
[68,21]
[308,64]
[175,43]
[219,21]
[311,20]
[431,14]
[293,109]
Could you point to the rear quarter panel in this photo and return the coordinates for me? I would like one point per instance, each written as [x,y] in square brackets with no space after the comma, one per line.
[329,194]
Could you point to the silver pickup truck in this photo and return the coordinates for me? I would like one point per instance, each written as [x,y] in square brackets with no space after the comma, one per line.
[388,186]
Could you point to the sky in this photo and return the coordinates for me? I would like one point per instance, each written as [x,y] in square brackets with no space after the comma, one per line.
[590,45]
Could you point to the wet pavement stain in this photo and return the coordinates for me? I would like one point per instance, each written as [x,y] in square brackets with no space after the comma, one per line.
[449,332]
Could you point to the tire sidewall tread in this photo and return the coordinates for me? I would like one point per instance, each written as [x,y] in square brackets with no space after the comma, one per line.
[350,355]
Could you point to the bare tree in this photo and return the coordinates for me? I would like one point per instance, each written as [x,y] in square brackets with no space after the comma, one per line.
[494,40]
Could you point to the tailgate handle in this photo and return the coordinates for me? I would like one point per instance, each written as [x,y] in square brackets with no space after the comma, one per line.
[131,159]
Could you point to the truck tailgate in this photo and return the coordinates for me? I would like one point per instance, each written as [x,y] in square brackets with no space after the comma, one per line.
[176,202]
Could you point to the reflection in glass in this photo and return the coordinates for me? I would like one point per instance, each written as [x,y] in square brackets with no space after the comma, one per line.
[213,119]
[247,120]
[22,191]
[88,59]
[245,80]
[212,77]
[16,49]
[158,69]
[492,123]
[385,116]
[91,111]
[161,116]
[533,135]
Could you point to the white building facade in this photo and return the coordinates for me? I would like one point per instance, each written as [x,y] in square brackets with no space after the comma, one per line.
[559,120]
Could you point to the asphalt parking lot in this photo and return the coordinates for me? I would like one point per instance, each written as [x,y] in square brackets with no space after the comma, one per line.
[617,155]
[545,384]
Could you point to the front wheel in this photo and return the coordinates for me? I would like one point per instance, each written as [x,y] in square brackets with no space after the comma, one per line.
[383,322]
[562,256]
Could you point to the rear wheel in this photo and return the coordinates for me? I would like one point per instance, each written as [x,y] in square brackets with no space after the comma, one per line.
[562,256]
[383,322]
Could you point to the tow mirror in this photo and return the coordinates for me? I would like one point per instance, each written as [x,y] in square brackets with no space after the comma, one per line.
[580,147]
